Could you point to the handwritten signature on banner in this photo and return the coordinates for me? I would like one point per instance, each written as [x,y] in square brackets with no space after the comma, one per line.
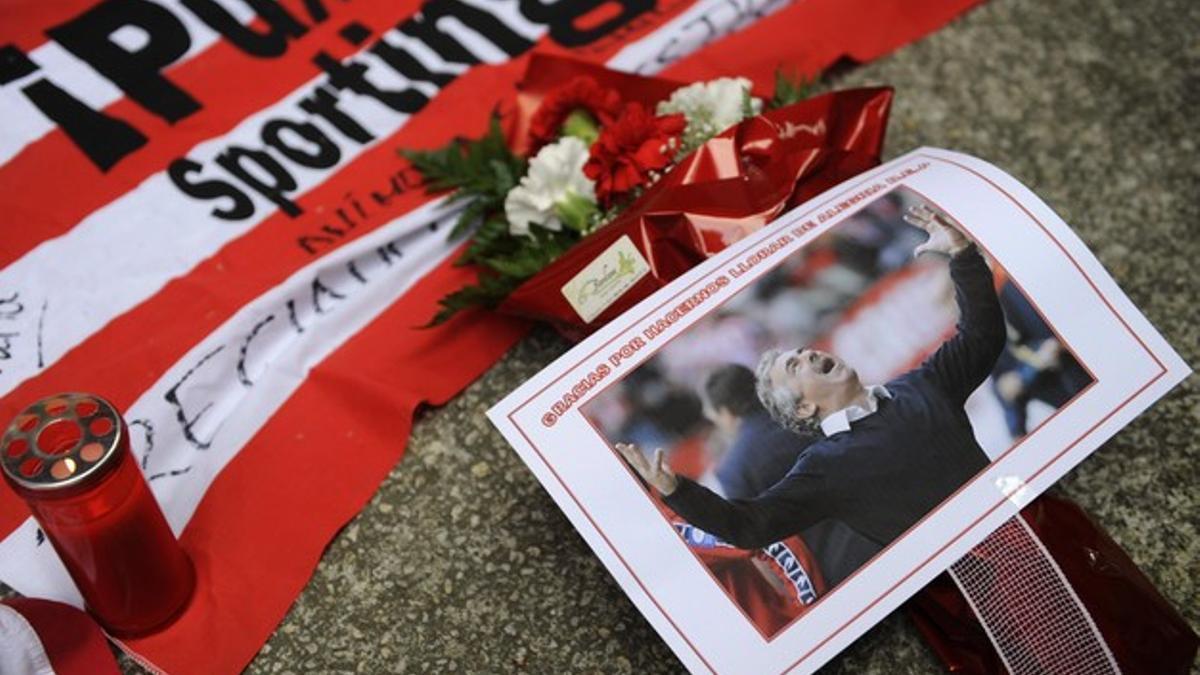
[11,311]
[356,209]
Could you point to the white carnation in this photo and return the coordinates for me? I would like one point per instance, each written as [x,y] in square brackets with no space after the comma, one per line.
[712,107]
[555,173]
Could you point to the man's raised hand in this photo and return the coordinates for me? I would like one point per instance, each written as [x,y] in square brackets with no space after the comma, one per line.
[945,235]
[654,472]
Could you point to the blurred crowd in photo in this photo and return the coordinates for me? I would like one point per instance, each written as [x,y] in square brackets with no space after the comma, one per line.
[857,292]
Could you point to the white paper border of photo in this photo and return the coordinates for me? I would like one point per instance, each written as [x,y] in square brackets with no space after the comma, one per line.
[1132,365]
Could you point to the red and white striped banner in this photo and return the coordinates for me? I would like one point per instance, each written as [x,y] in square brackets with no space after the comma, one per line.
[207,223]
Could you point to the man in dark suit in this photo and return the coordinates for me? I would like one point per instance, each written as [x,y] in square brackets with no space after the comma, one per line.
[891,452]
[760,454]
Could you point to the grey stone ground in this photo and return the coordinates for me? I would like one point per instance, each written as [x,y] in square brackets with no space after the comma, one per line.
[462,563]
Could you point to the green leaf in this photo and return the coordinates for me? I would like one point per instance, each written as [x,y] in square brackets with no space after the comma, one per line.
[576,212]
[519,267]
[488,294]
[469,216]
[483,168]
[789,88]
[481,172]
[581,125]
[504,176]
[747,104]
[491,239]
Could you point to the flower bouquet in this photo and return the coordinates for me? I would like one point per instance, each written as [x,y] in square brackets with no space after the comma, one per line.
[639,176]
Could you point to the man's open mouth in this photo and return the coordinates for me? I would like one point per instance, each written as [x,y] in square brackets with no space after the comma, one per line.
[825,364]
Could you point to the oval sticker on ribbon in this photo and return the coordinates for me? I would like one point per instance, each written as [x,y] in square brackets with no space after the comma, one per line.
[605,279]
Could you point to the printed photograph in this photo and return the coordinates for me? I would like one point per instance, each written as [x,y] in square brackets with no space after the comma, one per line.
[798,429]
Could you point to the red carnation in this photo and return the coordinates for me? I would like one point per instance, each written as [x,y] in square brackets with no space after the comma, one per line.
[630,148]
[581,93]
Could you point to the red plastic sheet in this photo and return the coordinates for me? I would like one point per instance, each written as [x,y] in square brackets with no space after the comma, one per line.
[1140,629]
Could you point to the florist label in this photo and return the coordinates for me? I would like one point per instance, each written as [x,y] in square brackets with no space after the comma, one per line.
[605,279]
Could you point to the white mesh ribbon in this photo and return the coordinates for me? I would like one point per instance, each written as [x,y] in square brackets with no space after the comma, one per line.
[1031,614]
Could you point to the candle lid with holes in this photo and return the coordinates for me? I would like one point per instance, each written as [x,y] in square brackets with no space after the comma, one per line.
[61,441]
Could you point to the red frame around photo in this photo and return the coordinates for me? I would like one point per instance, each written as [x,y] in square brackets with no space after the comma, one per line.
[781,629]
[756,274]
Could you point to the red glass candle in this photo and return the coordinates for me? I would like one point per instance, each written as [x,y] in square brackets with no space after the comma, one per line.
[68,457]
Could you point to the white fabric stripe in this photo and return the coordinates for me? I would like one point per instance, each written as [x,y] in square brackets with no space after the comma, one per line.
[22,652]
[1029,610]
[25,124]
[703,23]
[127,250]
[277,364]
